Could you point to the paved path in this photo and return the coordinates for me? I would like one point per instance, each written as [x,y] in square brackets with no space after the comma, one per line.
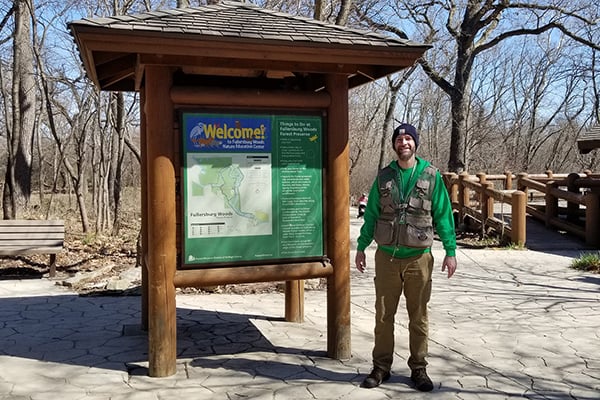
[510,324]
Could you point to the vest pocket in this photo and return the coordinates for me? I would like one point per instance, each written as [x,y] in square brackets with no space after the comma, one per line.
[417,232]
[384,232]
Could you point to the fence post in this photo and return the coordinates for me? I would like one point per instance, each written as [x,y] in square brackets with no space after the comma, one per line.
[508,180]
[520,186]
[592,219]
[463,194]
[519,223]
[487,202]
[450,179]
[551,204]
[482,177]
[572,208]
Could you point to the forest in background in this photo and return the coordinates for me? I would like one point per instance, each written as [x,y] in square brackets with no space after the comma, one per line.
[506,85]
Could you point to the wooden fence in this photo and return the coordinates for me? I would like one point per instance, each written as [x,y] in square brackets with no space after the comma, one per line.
[569,202]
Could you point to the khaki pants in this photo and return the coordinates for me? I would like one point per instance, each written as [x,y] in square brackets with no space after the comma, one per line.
[392,277]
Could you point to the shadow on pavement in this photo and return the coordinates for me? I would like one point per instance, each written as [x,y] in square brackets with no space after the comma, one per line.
[104,332]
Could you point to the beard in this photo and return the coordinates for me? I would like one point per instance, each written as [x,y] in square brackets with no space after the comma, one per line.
[405,154]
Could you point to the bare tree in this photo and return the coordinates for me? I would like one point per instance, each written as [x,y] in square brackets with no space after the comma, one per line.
[591,161]
[388,121]
[79,135]
[109,146]
[17,187]
[474,28]
[118,123]
[366,105]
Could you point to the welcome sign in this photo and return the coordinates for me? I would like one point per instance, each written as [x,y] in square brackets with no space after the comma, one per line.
[252,188]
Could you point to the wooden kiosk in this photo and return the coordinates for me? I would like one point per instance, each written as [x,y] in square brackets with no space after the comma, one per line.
[230,60]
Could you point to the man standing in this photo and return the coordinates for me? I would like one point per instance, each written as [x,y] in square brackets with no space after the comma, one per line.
[407,200]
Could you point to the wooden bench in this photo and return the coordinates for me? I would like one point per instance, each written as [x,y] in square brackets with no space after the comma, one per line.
[26,237]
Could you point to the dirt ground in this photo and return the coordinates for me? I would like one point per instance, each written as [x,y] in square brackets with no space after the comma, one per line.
[106,264]
[110,269]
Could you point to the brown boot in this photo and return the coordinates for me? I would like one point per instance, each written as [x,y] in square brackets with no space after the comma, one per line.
[421,380]
[375,378]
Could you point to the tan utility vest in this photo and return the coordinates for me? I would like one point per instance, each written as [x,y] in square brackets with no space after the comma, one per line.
[405,222]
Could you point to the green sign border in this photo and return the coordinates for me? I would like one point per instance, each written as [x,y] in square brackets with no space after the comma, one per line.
[231,147]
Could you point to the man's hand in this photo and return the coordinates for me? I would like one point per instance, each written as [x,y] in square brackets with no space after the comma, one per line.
[449,263]
[361,261]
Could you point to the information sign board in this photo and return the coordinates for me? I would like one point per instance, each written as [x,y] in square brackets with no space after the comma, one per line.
[252,187]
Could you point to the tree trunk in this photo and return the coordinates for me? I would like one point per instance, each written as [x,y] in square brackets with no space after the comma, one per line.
[17,188]
[119,127]
[318,10]
[342,17]
[456,160]
[388,125]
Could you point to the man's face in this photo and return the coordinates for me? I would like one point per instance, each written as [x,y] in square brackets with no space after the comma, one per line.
[405,147]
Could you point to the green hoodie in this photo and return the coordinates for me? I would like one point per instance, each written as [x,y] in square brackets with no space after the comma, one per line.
[443,220]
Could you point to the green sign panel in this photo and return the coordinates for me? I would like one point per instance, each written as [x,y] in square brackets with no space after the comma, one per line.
[252,188]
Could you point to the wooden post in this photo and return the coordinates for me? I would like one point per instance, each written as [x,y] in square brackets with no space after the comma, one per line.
[520,186]
[508,181]
[483,200]
[482,177]
[551,204]
[143,256]
[592,219]
[338,220]
[487,203]
[52,264]
[519,218]
[572,208]
[294,301]
[450,179]
[463,195]
[162,253]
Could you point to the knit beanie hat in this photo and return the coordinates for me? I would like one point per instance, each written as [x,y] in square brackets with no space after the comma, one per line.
[406,129]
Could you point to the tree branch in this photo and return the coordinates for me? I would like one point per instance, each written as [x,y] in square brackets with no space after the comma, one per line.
[7,16]
[384,27]
[537,31]
[435,77]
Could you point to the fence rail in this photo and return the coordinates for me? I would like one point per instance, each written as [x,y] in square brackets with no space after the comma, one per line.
[569,202]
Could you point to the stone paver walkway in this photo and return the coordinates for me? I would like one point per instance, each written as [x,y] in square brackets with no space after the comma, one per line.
[510,324]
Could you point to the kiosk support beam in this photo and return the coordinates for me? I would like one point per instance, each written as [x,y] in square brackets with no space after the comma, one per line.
[143,251]
[338,220]
[162,254]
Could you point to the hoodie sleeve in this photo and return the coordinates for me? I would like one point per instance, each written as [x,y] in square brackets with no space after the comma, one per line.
[443,217]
